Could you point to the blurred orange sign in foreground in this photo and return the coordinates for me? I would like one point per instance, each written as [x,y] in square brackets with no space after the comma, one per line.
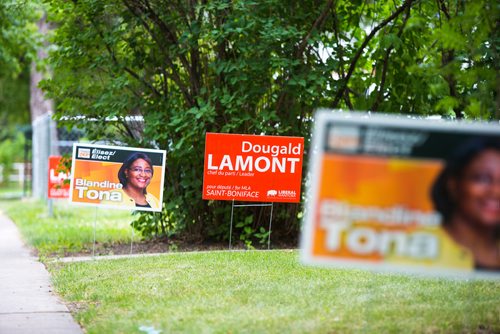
[385,194]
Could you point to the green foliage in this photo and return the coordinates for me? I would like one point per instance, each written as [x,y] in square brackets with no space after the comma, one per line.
[261,68]
[262,235]
[14,102]
[18,35]
[64,166]
[160,225]
[11,150]
[249,233]
[19,40]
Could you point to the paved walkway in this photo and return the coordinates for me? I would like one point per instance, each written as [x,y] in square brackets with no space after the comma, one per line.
[27,303]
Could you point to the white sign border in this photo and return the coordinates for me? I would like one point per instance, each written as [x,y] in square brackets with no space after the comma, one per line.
[123,148]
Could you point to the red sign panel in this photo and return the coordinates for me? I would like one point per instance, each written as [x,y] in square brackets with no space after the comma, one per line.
[57,188]
[252,168]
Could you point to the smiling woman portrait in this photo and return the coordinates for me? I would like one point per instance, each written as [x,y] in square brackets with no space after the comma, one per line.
[135,175]
[467,195]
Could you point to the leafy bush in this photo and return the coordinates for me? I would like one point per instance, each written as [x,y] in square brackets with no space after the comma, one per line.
[260,68]
[11,150]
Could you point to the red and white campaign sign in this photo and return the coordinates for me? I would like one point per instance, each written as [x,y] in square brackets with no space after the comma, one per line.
[57,187]
[252,168]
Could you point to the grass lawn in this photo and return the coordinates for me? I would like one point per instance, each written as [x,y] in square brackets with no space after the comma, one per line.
[267,292]
[71,229]
[11,190]
[240,291]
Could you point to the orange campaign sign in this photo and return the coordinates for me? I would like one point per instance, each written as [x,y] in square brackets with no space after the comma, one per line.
[57,188]
[117,177]
[397,194]
[252,168]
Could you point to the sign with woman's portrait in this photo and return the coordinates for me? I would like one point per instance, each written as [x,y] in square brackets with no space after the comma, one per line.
[402,194]
[117,177]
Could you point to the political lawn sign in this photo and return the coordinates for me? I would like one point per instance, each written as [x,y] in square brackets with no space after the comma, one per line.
[388,194]
[96,181]
[57,188]
[252,168]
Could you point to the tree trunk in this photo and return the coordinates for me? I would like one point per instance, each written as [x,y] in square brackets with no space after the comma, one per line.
[44,128]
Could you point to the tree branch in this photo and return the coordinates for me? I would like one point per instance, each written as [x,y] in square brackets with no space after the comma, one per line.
[447,57]
[128,70]
[316,25]
[173,39]
[380,93]
[302,46]
[175,75]
[358,54]
[443,8]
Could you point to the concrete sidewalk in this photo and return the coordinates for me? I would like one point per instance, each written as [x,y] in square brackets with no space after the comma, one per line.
[27,303]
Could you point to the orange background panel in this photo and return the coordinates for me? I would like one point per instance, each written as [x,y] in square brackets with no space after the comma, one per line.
[379,181]
[102,171]
[376,182]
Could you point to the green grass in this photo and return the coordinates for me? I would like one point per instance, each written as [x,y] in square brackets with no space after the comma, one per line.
[267,292]
[70,229]
[239,292]
[11,190]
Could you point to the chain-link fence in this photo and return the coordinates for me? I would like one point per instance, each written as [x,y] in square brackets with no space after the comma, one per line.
[48,140]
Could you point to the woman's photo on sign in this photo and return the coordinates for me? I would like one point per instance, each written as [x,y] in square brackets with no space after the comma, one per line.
[467,195]
[135,175]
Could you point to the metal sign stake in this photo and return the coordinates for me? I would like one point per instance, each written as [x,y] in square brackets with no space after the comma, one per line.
[231,226]
[248,205]
[269,236]
[93,244]
[131,239]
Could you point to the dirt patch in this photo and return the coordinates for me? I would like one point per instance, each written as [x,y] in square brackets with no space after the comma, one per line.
[77,307]
[163,246]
